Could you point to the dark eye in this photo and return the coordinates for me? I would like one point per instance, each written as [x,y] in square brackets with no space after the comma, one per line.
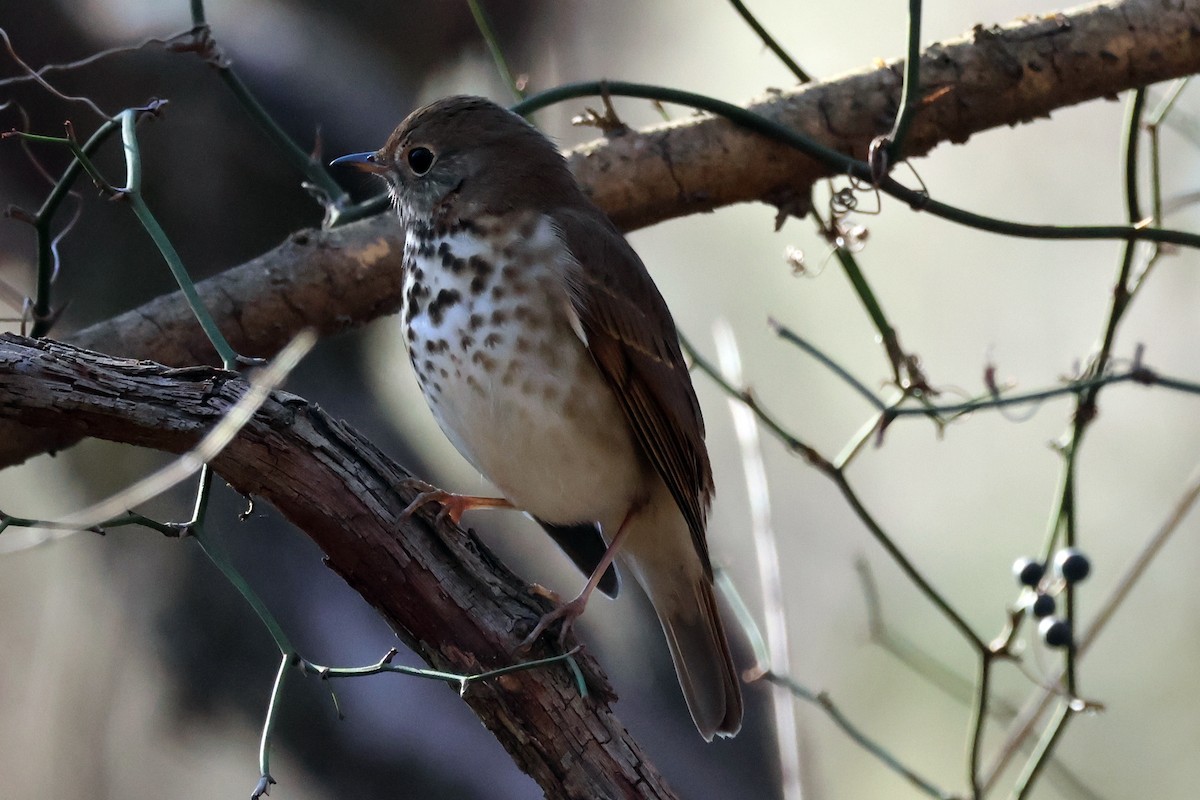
[420,159]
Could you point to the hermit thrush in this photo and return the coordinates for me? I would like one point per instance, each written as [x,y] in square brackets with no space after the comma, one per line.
[550,360]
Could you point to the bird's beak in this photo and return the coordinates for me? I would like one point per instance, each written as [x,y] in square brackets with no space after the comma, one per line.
[367,162]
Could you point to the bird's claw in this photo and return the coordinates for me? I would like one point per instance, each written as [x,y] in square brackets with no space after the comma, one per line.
[567,612]
[452,505]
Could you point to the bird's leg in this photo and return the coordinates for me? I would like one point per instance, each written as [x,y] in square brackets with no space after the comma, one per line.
[569,612]
[453,505]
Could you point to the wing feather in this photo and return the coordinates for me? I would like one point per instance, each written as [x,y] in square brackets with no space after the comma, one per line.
[631,336]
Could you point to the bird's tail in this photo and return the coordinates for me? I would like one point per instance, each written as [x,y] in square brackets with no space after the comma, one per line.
[662,557]
[703,663]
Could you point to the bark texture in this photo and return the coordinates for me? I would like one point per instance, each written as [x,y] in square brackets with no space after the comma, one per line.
[439,587]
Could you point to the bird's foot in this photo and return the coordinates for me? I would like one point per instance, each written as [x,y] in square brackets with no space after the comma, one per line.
[546,592]
[567,612]
[453,506]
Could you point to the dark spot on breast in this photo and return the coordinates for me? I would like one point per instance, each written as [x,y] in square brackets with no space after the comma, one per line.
[484,360]
[511,372]
[497,292]
[467,342]
[523,345]
[453,263]
[499,317]
[412,301]
[528,317]
[492,340]
[476,322]
[445,298]
[419,230]
[482,269]
[481,266]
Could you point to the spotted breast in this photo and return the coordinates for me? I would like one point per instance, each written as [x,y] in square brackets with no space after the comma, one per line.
[497,352]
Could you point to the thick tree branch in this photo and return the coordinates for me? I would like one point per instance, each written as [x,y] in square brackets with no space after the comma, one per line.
[440,589]
[991,77]
[333,280]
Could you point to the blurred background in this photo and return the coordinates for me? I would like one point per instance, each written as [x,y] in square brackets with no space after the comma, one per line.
[129,668]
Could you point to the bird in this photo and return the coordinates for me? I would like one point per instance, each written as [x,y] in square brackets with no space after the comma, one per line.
[550,360]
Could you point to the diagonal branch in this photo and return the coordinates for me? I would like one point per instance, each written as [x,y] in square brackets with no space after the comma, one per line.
[440,589]
[337,279]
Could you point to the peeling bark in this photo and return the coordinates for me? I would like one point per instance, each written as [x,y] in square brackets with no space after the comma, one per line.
[439,587]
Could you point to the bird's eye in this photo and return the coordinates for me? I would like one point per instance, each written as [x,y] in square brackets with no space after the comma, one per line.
[420,159]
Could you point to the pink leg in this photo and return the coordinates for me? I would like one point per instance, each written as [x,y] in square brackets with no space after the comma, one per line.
[569,612]
[453,505]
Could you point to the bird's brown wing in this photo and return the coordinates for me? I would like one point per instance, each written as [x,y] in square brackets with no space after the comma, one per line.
[632,339]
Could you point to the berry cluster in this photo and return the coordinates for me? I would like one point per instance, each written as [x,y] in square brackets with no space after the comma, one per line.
[1069,566]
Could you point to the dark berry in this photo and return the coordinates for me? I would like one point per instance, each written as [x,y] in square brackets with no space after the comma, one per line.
[1071,565]
[1043,605]
[1028,571]
[1055,632]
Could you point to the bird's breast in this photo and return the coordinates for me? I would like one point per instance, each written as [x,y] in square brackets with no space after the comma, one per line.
[488,324]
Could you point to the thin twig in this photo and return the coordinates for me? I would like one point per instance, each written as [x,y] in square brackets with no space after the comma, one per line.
[493,46]
[1028,717]
[826,704]
[1063,522]
[35,76]
[910,93]
[814,457]
[769,41]
[94,57]
[265,780]
[766,550]
[262,384]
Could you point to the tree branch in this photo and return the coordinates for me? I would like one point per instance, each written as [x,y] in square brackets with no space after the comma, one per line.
[991,77]
[440,589]
[334,280]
